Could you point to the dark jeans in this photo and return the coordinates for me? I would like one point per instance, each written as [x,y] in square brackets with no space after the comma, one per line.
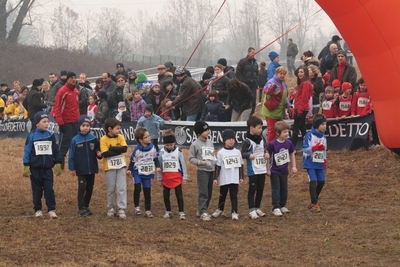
[279,190]
[42,180]
[233,194]
[71,129]
[256,188]
[179,197]
[299,124]
[85,190]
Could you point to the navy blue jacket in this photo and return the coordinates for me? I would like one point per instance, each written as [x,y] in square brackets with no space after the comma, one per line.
[41,150]
[82,154]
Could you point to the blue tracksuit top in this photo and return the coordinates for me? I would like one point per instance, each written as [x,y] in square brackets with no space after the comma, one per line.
[310,139]
[82,154]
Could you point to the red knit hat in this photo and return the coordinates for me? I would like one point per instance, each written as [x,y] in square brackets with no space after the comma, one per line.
[335,83]
[346,86]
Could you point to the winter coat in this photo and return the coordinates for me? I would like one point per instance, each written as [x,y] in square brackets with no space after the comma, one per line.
[240,98]
[349,75]
[82,156]
[137,109]
[318,85]
[102,111]
[66,108]
[212,111]
[155,99]
[33,102]
[247,70]
[193,104]
[116,97]
[220,86]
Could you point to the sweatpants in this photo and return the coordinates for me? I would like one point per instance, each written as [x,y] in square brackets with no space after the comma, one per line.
[233,194]
[42,180]
[178,194]
[116,182]
[279,190]
[85,190]
[256,188]
[204,188]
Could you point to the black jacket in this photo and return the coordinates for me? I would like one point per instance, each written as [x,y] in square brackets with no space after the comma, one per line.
[33,102]
[247,70]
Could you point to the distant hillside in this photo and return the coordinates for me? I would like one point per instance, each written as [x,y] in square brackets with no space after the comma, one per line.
[26,63]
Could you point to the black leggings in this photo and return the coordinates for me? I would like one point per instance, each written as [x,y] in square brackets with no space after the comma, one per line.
[147,196]
[179,197]
[85,190]
[233,193]
[256,187]
[299,124]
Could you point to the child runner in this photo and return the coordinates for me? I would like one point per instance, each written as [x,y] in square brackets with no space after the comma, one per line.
[113,146]
[173,169]
[41,152]
[314,159]
[281,151]
[254,150]
[201,154]
[82,162]
[228,173]
[142,164]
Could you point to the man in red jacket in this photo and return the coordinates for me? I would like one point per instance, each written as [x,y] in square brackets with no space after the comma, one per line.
[66,112]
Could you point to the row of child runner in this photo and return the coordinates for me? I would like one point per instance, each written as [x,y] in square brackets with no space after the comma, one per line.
[224,168]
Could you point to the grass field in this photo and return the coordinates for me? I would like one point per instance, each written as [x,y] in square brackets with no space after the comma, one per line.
[358,225]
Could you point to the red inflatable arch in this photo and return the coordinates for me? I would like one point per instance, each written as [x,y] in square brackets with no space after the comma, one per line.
[371,29]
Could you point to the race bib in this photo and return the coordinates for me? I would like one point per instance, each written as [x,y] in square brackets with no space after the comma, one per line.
[207,153]
[259,162]
[318,156]
[146,168]
[116,162]
[282,157]
[170,165]
[327,105]
[362,102]
[232,162]
[43,147]
[344,106]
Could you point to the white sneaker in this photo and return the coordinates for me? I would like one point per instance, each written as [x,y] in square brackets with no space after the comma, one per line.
[197,213]
[182,215]
[149,214]
[285,210]
[235,216]
[277,212]
[253,215]
[121,214]
[137,210]
[260,213]
[52,214]
[217,213]
[167,215]
[205,217]
[38,213]
[111,212]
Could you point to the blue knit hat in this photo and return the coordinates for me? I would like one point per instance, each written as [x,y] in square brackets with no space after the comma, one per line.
[82,119]
[39,116]
[272,55]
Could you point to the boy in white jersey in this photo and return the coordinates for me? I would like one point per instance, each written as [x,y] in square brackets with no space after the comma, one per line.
[228,173]
[173,169]
[254,151]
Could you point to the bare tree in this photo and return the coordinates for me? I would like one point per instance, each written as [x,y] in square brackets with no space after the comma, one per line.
[65,27]
[88,24]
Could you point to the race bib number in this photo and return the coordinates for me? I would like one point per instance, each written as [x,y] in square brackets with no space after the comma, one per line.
[232,162]
[344,106]
[282,157]
[43,147]
[318,156]
[327,105]
[259,162]
[146,168]
[207,153]
[116,162]
[362,102]
[170,165]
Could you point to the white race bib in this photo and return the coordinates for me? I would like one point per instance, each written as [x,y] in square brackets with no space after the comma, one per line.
[318,156]
[345,106]
[116,162]
[207,153]
[232,162]
[170,165]
[362,102]
[327,105]
[146,168]
[282,157]
[43,147]
[259,162]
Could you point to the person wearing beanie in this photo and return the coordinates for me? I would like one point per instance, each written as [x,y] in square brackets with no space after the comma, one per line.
[102,110]
[314,159]
[274,57]
[66,112]
[82,162]
[173,173]
[123,114]
[155,97]
[33,102]
[228,174]
[280,151]
[152,123]
[202,155]
[343,71]
[228,70]
[342,104]
[41,154]
[121,71]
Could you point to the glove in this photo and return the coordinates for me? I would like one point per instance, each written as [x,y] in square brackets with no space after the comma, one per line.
[325,164]
[27,171]
[317,147]
[57,169]
[62,128]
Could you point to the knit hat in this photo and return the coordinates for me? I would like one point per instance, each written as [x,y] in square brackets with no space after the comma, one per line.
[341,52]
[317,123]
[154,84]
[39,116]
[141,77]
[102,95]
[336,38]
[131,71]
[200,127]
[82,119]
[228,133]
[168,64]
[120,65]
[169,139]
[222,61]
[272,55]
[121,104]
[179,71]
[336,83]
[346,86]
[37,82]
[63,73]
[206,76]
[149,107]
[70,74]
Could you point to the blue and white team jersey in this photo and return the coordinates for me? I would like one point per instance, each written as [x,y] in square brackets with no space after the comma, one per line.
[314,159]
[259,164]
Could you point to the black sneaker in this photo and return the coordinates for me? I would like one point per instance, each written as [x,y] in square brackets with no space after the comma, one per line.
[88,211]
[82,213]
